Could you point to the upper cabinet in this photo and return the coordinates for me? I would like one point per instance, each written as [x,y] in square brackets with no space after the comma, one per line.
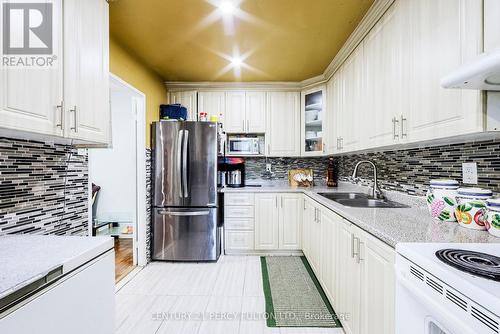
[86,70]
[245,112]
[213,103]
[71,98]
[443,35]
[32,100]
[283,124]
[313,121]
[189,100]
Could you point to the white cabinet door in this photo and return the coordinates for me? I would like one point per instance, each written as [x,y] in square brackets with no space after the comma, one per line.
[189,100]
[283,128]
[328,268]
[334,105]
[29,98]
[444,34]
[315,241]
[353,123]
[307,221]
[235,121]
[377,285]
[313,121]
[212,103]
[384,82]
[349,280]
[86,71]
[256,112]
[290,221]
[266,221]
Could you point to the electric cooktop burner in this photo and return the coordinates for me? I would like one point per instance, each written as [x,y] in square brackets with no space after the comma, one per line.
[476,263]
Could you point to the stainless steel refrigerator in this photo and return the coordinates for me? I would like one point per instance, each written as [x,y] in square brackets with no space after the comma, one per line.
[185,224]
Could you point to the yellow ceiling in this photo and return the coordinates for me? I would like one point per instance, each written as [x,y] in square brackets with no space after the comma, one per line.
[280,40]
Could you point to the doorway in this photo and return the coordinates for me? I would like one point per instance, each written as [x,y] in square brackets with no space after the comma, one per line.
[118,179]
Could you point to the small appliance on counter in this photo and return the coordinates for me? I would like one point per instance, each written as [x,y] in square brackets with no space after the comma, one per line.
[231,172]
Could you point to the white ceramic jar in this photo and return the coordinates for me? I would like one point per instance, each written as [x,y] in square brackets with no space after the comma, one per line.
[441,199]
[471,207]
[493,222]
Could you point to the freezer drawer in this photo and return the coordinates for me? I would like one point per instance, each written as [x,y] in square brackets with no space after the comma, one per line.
[186,234]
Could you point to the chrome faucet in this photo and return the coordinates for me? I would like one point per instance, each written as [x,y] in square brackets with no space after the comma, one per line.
[376,193]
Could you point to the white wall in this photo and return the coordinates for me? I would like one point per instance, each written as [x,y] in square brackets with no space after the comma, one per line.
[114,169]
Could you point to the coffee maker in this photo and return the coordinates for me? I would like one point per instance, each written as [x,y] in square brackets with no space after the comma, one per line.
[231,173]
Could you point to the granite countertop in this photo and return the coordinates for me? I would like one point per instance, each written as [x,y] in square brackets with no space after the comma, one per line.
[391,225]
[26,258]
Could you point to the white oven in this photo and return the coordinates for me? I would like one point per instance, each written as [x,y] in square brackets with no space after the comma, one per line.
[426,304]
[237,145]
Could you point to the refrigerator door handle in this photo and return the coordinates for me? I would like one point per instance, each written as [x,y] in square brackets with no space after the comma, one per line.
[184,164]
[179,160]
[184,213]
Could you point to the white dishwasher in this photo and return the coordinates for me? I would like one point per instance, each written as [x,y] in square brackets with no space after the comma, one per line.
[79,302]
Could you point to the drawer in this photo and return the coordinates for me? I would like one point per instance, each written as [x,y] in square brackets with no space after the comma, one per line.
[238,211]
[239,240]
[238,224]
[239,199]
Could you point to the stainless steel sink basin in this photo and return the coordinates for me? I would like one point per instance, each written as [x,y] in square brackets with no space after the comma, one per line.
[369,203]
[336,196]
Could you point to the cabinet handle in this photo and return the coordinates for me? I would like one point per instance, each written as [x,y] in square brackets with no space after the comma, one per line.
[248,125]
[315,214]
[75,111]
[281,198]
[268,149]
[394,123]
[403,120]
[341,143]
[276,200]
[61,113]
[352,245]
[243,125]
[319,217]
[359,251]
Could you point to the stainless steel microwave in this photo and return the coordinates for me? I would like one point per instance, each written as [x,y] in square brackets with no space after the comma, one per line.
[243,145]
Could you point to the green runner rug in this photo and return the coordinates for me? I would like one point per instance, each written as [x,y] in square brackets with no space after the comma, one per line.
[294,297]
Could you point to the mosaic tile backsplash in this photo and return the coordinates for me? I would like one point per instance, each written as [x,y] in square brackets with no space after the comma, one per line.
[43,188]
[255,168]
[406,170]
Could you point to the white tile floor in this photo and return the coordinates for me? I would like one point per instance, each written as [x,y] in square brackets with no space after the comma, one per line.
[191,298]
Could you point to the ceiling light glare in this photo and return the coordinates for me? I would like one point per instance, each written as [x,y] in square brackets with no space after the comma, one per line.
[236,62]
[227,7]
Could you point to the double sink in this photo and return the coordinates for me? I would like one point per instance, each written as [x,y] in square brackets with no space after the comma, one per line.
[360,200]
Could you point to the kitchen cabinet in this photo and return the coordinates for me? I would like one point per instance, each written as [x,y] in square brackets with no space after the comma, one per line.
[377,285]
[189,100]
[245,112]
[70,99]
[386,88]
[31,100]
[266,221]
[313,107]
[444,34]
[213,103]
[349,279]
[283,124]
[328,254]
[239,224]
[290,221]
[86,70]
[307,221]
[352,121]
[278,221]
[334,112]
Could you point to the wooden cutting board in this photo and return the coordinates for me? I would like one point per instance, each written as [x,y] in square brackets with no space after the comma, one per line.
[295,183]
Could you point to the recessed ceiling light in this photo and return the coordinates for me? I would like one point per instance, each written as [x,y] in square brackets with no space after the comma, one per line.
[236,62]
[227,7]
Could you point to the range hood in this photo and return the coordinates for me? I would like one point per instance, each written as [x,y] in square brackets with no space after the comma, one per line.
[482,73]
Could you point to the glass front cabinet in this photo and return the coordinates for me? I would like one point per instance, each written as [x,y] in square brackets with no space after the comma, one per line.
[313,121]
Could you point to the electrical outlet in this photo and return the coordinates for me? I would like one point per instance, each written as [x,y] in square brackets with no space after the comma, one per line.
[268,168]
[469,173]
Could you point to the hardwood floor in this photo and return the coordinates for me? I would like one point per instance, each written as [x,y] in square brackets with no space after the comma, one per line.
[124,261]
[199,298]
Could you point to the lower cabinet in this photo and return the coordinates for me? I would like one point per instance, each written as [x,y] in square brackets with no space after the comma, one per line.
[355,269]
[278,219]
